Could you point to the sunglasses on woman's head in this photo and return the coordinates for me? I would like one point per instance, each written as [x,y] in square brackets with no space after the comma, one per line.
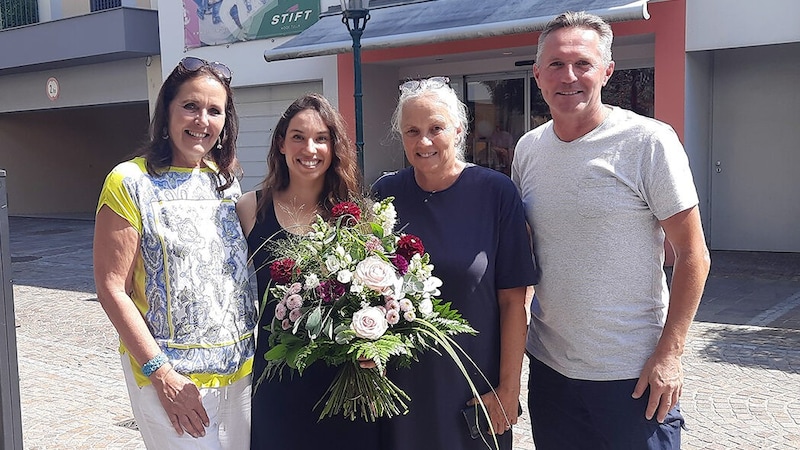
[193,64]
[425,83]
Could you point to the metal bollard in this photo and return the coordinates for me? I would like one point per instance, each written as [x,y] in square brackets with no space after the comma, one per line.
[10,414]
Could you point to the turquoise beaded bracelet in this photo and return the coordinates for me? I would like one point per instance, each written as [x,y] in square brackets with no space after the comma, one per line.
[154,364]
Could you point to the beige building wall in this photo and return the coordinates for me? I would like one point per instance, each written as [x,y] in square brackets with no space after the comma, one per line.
[56,161]
[72,8]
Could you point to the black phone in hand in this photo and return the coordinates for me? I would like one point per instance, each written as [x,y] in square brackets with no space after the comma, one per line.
[476,421]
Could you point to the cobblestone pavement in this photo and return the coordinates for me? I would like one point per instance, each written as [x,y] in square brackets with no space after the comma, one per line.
[742,361]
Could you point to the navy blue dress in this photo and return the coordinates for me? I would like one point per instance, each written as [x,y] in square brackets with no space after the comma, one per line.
[476,235]
[282,410]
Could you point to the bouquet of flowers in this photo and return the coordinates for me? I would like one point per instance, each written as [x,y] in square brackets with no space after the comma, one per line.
[352,290]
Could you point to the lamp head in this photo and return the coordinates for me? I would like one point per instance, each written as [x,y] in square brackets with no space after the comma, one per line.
[354,5]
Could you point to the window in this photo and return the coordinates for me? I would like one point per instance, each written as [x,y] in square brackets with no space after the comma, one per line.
[632,89]
[16,13]
[100,5]
[496,105]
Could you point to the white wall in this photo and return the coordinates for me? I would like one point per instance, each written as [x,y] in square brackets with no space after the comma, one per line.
[697,125]
[259,109]
[718,24]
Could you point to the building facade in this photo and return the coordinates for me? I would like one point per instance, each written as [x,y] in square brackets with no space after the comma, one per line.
[719,72]
[76,79]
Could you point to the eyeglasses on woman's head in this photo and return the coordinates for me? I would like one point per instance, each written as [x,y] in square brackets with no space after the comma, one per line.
[425,83]
[193,64]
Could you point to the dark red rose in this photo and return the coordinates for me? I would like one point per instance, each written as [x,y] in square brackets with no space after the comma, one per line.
[349,210]
[282,270]
[410,245]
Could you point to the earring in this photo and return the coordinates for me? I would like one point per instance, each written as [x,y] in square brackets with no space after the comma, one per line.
[219,139]
[164,134]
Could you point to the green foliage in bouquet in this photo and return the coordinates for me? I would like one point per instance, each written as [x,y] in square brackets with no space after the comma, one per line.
[352,290]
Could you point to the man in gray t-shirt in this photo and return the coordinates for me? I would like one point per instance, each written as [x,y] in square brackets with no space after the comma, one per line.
[603,187]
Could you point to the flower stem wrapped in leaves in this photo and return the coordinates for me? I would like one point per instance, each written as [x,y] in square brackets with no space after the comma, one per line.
[351,290]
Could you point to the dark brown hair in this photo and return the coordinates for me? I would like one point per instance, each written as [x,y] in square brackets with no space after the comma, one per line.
[158,150]
[342,180]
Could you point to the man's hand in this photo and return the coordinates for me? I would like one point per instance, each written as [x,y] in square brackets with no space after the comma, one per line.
[664,375]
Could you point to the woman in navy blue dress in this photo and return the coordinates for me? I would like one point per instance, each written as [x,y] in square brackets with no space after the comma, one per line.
[472,223]
[311,167]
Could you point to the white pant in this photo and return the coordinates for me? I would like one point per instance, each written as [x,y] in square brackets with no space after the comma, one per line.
[228,410]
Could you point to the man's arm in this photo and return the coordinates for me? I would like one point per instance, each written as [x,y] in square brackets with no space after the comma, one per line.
[663,371]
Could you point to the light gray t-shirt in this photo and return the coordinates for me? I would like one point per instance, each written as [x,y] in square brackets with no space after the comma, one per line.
[594,205]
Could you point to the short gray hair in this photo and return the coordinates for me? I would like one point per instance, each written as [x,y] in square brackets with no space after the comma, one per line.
[437,89]
[580,19]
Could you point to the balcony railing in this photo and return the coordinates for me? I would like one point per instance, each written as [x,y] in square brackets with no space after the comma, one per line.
[99,5]
[16,13]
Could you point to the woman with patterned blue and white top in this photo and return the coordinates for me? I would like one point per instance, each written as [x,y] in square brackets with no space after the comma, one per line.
[170,265]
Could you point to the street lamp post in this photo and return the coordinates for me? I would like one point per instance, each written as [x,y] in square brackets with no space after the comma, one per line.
[355,14]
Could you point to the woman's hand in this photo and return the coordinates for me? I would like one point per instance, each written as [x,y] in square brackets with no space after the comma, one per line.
[181,399]
[365,363]
[503,413]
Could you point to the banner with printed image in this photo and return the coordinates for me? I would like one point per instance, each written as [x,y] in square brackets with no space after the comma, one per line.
[216,22]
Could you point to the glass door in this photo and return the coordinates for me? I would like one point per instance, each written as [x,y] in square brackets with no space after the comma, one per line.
[497,109]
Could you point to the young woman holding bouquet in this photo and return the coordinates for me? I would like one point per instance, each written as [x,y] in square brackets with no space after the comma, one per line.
[170,267]
[472,222]
[311,167]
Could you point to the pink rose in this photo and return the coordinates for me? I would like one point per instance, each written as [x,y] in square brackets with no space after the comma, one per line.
[369,323]
[376,274]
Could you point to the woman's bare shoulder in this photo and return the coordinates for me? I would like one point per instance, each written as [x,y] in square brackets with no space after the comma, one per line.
[246,210]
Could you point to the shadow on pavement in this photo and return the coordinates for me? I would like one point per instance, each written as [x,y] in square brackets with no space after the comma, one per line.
[52,253]
[753,347]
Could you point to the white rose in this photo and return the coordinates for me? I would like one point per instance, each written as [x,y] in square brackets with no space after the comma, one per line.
[376,274]
[332,263]
[426,306]
[344,276]
[369,323]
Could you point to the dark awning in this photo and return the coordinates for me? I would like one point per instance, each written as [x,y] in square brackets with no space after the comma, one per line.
[446,20]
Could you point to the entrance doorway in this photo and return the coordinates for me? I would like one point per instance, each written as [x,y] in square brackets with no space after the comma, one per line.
[504,106]
[497,110]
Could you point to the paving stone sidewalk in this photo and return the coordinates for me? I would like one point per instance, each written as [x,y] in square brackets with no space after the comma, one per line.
[742,362]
